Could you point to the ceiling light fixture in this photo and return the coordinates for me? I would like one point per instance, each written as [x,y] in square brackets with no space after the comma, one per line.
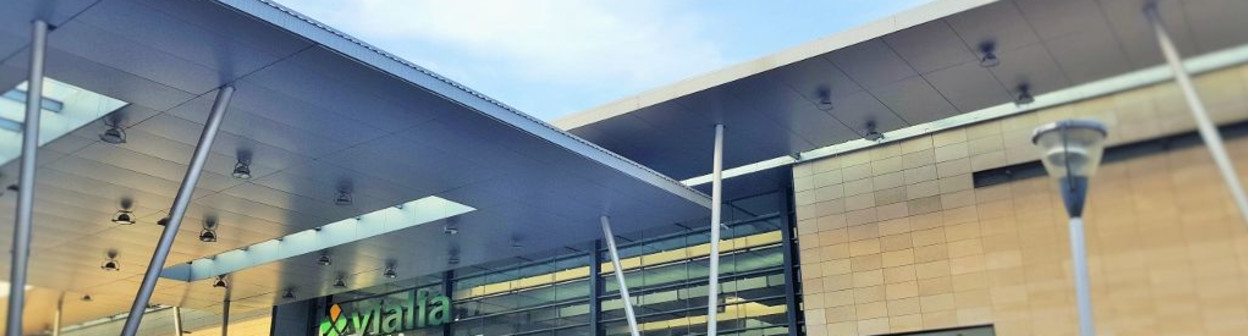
[340,283]
[324,259]
[114,134]
[123,217]
[1024,95]
[453,260]
[209,233]
[87,298]
[872,133]
[450,228]
[242,170]
[988,58]
[111,264]
[390,272]
[825,99]
[163,221]
[220,282]
[343,198]
[289,295]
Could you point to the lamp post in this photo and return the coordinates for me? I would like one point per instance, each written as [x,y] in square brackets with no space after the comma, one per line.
[1071,151]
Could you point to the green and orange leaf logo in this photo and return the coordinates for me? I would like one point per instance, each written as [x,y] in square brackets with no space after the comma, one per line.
[335,325]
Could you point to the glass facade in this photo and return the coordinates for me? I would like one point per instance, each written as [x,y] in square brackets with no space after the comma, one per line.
[666,271]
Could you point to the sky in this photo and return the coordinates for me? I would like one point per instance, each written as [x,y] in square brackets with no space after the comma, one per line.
[552,58]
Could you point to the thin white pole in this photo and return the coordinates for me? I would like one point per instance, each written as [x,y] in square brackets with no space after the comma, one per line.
[619,276]
[180,203]
[56,319]
[712,297]
[1083,287]
[177,321]
[26,179]
[1208,131]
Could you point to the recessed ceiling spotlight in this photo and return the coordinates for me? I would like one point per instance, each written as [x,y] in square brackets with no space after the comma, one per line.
[289,295]
[343,198]
[114,134]
[220,282]
[163,221]
[873,134]
[208,236]
[1024,95]
[324,259]
[111,264]
[390,272]
[87,298]
[209,233]
[450,228]
[825,99]
[340,283]
[123,217]
[242,170]
[988,58]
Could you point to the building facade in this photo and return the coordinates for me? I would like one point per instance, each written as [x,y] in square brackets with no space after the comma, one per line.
[958,232]
[882,181]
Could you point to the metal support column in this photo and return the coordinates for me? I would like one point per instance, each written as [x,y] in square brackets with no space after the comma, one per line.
[595,289]
[180,204]
[448,288]
[1083,286]
[26,179]
[790,260]
[225,318]
[225,308]
[619,276]
[1208,130]
[177,320]
[717,200]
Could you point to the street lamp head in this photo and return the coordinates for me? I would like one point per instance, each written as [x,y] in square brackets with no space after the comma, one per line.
[1071,151]
[1070,147]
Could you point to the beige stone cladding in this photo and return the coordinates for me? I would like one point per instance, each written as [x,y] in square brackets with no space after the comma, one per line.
[896,238]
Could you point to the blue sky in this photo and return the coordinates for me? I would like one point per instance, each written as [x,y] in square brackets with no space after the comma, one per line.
[552,58]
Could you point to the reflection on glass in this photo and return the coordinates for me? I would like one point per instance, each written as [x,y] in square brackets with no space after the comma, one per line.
[665,269]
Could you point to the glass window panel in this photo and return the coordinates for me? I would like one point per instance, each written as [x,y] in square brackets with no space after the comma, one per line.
[666,270]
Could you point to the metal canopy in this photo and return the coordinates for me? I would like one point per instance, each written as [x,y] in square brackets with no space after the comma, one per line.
[915,67]
[315,113]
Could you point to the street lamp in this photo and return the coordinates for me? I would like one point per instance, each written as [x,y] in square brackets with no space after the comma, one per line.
[1071,151]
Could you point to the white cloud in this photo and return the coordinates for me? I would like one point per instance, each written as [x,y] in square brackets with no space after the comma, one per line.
[631,43]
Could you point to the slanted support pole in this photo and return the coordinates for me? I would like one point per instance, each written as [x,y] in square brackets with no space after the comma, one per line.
[1208,130]
[180,203]
[619,276]
[26,179]
[717,200]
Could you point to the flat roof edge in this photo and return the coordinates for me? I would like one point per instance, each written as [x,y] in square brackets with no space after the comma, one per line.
[928,12]
[303,26]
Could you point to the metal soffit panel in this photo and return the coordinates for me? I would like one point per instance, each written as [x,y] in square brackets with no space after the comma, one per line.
[315,113]
[916,67]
